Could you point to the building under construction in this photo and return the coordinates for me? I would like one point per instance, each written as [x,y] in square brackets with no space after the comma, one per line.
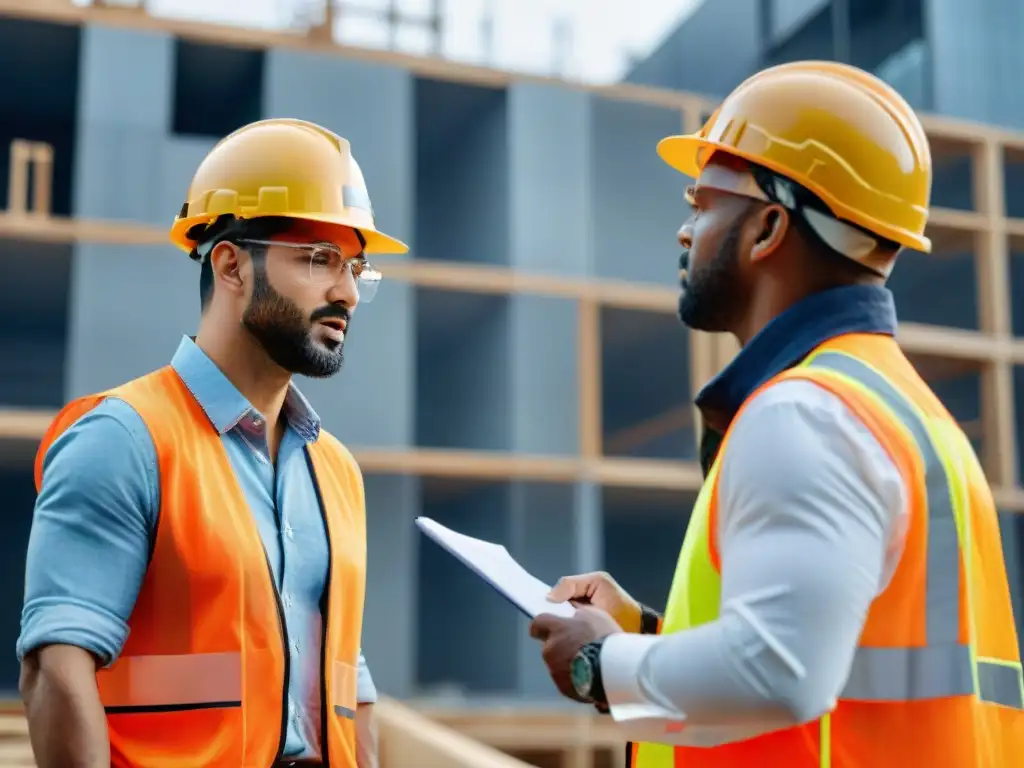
[521,376]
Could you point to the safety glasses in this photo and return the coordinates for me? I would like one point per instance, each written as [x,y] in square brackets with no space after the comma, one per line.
[327,265]
[844,238]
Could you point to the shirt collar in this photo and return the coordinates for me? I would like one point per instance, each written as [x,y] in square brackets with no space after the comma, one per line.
[224,405]
[789,338]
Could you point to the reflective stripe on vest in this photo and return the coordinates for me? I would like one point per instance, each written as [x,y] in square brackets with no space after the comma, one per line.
[196,681]
[168,683]
[944,666]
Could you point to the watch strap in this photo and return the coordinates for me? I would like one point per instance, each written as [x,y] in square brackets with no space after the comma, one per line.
[592,652]
[649,621]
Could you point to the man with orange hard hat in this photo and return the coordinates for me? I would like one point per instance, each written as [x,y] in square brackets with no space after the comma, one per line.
[840,600]
[197,562]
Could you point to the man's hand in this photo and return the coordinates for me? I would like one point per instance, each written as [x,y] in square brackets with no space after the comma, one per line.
[563,639]
[366,737]
[601,591]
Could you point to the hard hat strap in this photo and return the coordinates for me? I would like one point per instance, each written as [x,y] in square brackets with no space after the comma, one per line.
[842,237]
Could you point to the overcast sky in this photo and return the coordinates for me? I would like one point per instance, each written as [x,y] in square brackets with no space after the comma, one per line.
[603,31]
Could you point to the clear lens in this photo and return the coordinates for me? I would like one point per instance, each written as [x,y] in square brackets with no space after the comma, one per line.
[367,284]
[327,267]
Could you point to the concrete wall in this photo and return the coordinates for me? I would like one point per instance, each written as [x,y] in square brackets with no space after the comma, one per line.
[710,53]
[976,60]
[537,177]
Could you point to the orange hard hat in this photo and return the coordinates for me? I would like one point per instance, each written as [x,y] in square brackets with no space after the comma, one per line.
[834,129]
[281,167]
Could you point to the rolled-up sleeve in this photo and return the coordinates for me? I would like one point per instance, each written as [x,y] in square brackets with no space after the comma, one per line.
[366,692]
[89,544]
[809,532]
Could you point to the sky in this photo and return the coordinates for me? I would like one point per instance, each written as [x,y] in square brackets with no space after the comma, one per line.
[602,33]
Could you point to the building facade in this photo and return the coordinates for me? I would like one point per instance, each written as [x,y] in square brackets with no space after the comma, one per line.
[943,56]
[520,376]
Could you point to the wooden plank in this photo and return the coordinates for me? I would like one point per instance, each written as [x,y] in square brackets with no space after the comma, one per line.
[589,379]
[24,423]
[408,737]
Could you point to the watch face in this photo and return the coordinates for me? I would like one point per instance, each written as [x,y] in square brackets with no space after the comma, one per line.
[582,675]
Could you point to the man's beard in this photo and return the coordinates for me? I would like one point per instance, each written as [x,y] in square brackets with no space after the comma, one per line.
[286,336]
[710,295]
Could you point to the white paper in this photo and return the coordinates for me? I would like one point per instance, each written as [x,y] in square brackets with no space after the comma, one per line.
[497,567]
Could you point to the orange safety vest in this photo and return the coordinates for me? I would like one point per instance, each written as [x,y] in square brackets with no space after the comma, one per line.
[202,678]
[936,680]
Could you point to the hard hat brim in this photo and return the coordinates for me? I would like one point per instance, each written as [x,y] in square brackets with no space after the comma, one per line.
[682,153]
[688,153]
[376,242]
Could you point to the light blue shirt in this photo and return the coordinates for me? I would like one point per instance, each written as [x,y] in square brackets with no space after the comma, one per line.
[96,515]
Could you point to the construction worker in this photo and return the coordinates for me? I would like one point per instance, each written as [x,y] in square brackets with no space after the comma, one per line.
[840,600]
[197,561]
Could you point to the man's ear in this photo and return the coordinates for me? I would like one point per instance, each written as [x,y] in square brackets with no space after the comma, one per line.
[225,260]
[772,223]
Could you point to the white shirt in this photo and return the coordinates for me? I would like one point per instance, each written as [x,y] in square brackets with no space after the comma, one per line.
[812,517]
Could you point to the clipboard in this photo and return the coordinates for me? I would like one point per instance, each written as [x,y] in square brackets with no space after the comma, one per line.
[493,563]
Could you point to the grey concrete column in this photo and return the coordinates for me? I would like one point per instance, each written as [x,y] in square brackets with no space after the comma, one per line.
[638,201]
[973,66]
[550,173]
[120,142]
[391,616]
[371,401]
[467,634]
[462,168]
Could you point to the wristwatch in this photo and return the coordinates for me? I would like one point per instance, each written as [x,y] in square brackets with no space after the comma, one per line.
[585,671]
[649,619]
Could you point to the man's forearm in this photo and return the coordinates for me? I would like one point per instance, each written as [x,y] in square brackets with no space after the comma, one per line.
[366,737]
[67,724]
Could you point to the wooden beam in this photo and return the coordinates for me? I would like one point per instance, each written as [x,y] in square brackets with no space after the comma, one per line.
[589,378]
[24,423]
[645,474]
[999,440]
[17,424]
[15,225]
[481,278]
[992,259]
[650,429]
[408,737]
[525,727]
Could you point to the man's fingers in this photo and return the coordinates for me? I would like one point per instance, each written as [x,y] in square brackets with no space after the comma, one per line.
[541,626]
[573,587]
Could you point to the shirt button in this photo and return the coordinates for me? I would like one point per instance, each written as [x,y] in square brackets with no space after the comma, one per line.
[295,647]
[289,532]
[287,600]
[257,422]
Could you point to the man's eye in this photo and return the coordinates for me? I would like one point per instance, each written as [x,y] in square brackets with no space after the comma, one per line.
[321,257]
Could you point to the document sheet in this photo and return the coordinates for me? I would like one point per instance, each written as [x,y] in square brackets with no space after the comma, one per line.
[493,563]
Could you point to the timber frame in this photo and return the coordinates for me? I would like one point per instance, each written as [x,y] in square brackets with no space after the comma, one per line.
[992,349]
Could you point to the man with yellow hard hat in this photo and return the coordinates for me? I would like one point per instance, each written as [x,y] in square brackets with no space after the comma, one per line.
[197,561]
[840,600]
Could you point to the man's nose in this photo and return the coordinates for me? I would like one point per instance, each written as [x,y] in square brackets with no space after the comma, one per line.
[685,236]
[345,290]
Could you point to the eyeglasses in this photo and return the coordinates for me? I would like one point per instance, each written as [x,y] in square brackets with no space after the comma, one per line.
[327,265]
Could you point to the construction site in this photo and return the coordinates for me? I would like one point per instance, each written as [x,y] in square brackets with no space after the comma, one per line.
[521,376]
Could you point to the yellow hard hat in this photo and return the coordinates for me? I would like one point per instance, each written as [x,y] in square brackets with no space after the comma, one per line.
[281,167]
[834,129]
